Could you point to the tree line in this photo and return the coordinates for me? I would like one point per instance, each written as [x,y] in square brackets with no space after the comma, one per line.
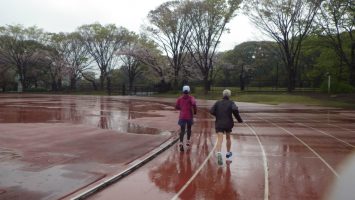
[180,43]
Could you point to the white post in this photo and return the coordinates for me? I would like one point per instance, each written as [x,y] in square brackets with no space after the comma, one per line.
[19,84]
[328,83]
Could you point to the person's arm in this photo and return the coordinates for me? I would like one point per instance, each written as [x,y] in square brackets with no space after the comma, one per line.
[177,105]
[236,113]
[194,106]
[213,109]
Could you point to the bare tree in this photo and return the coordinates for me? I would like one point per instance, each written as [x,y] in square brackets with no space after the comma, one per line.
[6,75]
[132,66]
[337,22]
[102,43]
[288,22]
[55,66]
[74,53]
[147,52]
[208,20]
[170,29]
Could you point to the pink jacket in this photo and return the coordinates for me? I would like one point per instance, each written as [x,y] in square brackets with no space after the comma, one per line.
[187,106]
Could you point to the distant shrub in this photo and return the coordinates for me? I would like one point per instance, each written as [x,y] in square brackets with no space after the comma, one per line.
[337,87]
[36,90]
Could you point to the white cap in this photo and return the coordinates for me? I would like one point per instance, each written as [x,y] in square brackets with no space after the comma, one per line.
[186,88]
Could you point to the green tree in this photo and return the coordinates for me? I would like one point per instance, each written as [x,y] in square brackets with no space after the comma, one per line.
[336,23]
[20,47]
[288,22]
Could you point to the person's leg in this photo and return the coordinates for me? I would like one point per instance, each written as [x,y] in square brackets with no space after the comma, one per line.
[228,141]
[219,148]
[219,141]
[188,134]
[182,132]
[228,145]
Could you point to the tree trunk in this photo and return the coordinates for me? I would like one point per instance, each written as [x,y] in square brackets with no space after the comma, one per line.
[59,84]
[73,83]
[54,86]
[291,80]
[94,85]
[352,65]
[130,84]
[102,82]
[352,74]
[207,85]
[109,86]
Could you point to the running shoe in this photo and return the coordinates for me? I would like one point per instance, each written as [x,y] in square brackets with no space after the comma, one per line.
[188,143]
[219,158]
[229,155]
[181,146]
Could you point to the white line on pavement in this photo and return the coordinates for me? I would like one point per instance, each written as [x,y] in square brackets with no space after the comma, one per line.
[305,144]
[266,168]
[195,174]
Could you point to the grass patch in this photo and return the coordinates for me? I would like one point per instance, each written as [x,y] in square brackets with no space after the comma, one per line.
[293,99]
[275,99]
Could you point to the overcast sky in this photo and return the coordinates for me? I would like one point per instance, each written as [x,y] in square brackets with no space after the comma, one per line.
[67,15]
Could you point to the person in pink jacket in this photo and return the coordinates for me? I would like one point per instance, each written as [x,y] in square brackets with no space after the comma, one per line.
[187,106]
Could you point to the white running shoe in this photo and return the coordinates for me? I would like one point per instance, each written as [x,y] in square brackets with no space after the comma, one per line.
[219,158]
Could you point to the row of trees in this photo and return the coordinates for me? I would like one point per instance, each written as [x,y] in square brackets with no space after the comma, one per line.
[289,23]
[182,35]
[36,56]
[180,45]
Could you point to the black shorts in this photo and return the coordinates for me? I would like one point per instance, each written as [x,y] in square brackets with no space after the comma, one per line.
[223,130]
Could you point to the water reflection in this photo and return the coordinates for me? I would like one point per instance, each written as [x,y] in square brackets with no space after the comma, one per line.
[102,112]
[212,182]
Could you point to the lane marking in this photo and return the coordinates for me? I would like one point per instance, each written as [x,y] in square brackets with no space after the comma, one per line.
[347,129]
[325,133]
[266,168]
[195,174]
[318,130]
[115,178]
[305,144]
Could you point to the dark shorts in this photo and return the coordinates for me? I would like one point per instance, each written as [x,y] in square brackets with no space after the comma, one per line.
[183,122]
[223,130]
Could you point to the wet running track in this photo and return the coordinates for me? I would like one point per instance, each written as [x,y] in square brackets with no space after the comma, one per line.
[280,152]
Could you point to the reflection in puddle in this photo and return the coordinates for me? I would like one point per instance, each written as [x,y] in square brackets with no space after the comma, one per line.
[102,112]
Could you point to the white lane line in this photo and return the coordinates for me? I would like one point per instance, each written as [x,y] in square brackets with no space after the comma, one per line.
[195,174]
[325,133]
[305,144]
[266,168]
[347,129]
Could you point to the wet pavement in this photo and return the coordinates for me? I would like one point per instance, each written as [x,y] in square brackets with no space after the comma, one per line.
[280,152]
[59,146]
[52,146]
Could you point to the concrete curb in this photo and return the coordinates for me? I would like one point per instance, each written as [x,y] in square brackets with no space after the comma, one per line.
[137,164]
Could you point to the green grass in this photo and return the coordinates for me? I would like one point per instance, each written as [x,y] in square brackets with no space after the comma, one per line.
[274,98]
[291,98]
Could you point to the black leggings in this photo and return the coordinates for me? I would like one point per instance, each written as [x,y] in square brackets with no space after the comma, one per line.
[182,133]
